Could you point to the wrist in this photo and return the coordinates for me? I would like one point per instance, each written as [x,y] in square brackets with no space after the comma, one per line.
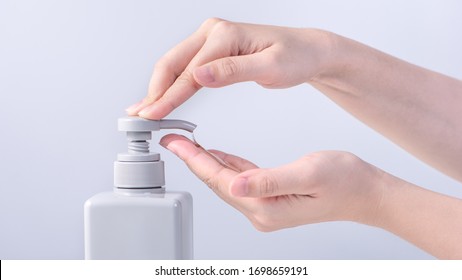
[383,200]
[346,65]
[328,49]
[371,199]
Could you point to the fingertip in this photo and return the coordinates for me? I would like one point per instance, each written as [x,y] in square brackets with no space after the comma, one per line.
[178,144]
[145,113]
[171,138]
[204,75]
[134,109]
[150,112]
[239,187]
[166,140]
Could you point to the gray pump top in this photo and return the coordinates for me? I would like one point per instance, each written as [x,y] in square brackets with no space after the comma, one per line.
[138,168]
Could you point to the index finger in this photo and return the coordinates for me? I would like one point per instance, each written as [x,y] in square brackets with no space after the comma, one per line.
[202,164]
[170,67]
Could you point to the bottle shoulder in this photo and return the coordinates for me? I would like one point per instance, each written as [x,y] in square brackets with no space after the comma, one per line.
[166,198]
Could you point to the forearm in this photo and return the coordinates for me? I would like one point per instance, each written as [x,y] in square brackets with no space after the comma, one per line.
[429,220]
[418,109]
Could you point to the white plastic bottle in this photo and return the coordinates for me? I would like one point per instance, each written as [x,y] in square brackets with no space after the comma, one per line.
[139,219]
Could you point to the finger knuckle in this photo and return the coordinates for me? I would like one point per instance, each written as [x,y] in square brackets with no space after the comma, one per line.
[267,185]
[229,67]
[208,179]
[211,183]
[210,22]
[186,78]
[227,28]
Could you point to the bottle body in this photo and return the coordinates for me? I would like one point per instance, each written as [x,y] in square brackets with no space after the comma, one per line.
[139,224]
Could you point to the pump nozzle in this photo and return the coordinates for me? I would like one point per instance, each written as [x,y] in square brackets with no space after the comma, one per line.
[177,124]
[137,124]
[139,168]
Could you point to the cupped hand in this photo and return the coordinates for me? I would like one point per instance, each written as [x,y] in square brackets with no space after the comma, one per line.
[323,186]
[220,53]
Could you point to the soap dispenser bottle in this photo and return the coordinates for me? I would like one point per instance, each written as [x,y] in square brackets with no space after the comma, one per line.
[139,219]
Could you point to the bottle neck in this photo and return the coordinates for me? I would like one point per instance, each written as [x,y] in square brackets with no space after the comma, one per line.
[140,191]
[144,176]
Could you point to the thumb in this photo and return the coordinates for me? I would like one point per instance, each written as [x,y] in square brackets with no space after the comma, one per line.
[229,70]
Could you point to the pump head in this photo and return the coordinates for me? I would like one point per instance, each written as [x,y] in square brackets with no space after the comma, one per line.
[139,168]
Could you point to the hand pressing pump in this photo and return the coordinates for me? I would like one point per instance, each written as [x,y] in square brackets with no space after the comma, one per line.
[139,219]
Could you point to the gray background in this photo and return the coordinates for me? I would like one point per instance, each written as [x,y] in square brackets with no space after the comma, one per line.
[68,69]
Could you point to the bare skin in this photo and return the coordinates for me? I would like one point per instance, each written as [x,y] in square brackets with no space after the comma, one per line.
[418,109]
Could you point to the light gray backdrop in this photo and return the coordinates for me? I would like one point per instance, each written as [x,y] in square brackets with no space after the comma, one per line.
[68,69]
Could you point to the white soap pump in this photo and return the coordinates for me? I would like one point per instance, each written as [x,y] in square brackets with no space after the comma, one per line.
[139,219]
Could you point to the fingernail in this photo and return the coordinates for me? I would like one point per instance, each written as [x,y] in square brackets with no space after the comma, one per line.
[163,143]
[132,109]
[166,145]
[146,112]
[204,75]
[240,187]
